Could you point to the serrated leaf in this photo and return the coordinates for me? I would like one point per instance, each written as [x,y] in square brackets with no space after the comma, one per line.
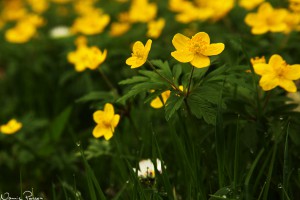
[173,103]
[202,109]
[94,96]
[164,68]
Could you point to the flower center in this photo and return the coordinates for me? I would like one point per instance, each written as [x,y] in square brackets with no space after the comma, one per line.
[281,69]
[197,45]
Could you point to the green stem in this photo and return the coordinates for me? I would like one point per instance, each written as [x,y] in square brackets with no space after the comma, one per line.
[107,81]
[266,101]
[190,81]
[170,82]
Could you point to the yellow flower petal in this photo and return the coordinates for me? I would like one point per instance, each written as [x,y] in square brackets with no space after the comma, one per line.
[200,61]
[214,49]
[292,72]
[148,46]
[108,133]
[11,127]
[180,41]
[183,56]
[262,68]
[257,30]
[115,120]
[268,82]
[251,19]
[276,60]
[98,116]
[137,47]
[288,85]
[202,36]
[156,103]
[98,131]
[109,112]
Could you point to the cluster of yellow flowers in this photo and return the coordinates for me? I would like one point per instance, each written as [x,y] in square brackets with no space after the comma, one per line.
[26,21]
[188,11]
[91,20]
[86,57]
[140,11]
[272,19]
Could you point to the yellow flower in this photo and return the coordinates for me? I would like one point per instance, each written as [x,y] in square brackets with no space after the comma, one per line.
[106,122]
[195,50]
[119,28]
[277,73]
[294,5]
[21,33]
[38,6]
[292,21]
[86,57]
[249,5]
[90,24]
[13,10]
[11,127]
[267,19]
[157,103]
[155,28]
[142,11]
[140,54]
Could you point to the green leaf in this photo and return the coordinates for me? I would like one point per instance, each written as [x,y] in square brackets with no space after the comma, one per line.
[202,109]
[95,96]
[59,123]
[135,79]
[177,70]
[164,68]
[142,87]
[173,103]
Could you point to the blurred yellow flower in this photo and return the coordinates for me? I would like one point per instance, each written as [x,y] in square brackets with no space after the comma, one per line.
[294,5]
[86,57]
[195,50]
[90,24]
[249,5]
[267,19]
[13,10]
[277,73]
[21,33]
[11,127]
[140,54]
[142,11]
[157,103]
[119,28]
[38,6]
[61,1]
[292,21]
[106,122]
[155,28]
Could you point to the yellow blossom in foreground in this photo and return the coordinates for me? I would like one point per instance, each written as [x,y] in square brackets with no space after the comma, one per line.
[139,54]
[155,28]
[250,4]
[106,122]
[267,19]
[86,57]
[21,33]
[11,127]
[195,50]
[157,103]
[90,24]
[277,73]
[119,28]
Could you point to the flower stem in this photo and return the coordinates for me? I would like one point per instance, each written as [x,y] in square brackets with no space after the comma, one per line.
[190,81]
[170,82]
[267,100]
[107,81]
